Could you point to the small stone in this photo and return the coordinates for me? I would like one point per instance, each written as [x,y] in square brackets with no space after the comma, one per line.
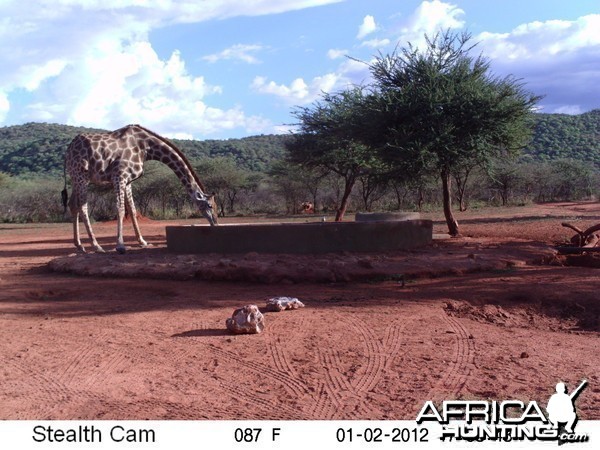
[524,355]
[246,320]
[366,263]
[224,262]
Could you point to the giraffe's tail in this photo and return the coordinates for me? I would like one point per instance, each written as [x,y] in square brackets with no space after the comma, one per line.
[64,193]
[65,199]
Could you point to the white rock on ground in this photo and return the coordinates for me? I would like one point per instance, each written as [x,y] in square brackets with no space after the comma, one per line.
[280,303]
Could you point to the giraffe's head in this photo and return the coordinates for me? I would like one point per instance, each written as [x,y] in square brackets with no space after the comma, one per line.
[207,206]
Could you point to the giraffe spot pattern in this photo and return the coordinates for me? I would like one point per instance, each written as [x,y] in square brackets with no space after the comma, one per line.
[118,158]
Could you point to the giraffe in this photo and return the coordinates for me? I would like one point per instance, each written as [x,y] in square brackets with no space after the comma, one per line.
[117,158]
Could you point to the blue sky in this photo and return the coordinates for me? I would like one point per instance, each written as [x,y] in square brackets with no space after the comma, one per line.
[224,68]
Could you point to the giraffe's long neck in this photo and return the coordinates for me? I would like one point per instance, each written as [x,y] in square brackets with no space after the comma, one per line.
[179,166]
[159,149]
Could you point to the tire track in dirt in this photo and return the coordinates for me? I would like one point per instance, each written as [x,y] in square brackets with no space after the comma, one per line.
[275,349]
[394,341]
[329,400]
[152,409]
[379,354]
[382,353]
[461,366]
[41,390]
[339,390]
[317,401]
[88,366]
[291,384]
[79,378]
[321,406]
[256,403]
[105,368]
[77,360]
[179,411]
[180,354]
[60,401]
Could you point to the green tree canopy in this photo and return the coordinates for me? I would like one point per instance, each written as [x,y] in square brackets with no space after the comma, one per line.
[440,108]
[332,136]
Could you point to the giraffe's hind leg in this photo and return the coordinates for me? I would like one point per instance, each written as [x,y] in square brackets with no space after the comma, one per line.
[133,214]
[76,238]
[74,208]
[78,206]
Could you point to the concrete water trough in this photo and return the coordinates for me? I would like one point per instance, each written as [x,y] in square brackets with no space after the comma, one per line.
[313,237]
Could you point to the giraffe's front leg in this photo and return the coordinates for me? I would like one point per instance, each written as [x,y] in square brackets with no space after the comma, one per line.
[120,188]
[133,215]
[76,238]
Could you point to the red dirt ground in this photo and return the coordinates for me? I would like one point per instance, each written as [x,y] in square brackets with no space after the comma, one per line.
[491,315]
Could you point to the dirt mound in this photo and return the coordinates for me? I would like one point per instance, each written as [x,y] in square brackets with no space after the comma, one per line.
[584,260]
[455,257]
[549,314]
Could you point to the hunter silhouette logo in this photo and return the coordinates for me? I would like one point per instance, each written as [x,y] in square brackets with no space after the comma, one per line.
[509,420]
[561,410]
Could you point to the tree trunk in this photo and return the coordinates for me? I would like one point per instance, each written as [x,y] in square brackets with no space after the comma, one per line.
[504,195]
[461,188]
[231,195]
[447,194]
[339,216]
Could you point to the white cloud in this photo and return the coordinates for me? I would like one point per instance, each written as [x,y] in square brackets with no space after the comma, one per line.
[335,53]
[4,106]
[559,59]
[543,40]
[302,92]
[376,43]
[429,18]
[143,88]
[367,27]
[568,109]
[353,72]
[171,11]
[32,76]
[240,52]
[90,62]
[298,91]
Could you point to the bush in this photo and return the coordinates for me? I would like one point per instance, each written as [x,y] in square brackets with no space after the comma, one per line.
[31,200]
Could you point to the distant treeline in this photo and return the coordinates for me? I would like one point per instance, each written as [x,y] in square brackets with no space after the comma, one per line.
[38,148]
[562,136]
[253,176]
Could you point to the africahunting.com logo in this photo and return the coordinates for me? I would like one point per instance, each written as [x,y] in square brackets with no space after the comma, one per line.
[509,420]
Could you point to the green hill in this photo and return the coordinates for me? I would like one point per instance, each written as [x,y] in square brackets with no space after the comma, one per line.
[39,147]
[35,147]
[558,136]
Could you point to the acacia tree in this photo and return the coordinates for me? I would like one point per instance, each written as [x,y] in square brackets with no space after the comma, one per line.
[297,184]
[332,137]
[225,178]
[440,109]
